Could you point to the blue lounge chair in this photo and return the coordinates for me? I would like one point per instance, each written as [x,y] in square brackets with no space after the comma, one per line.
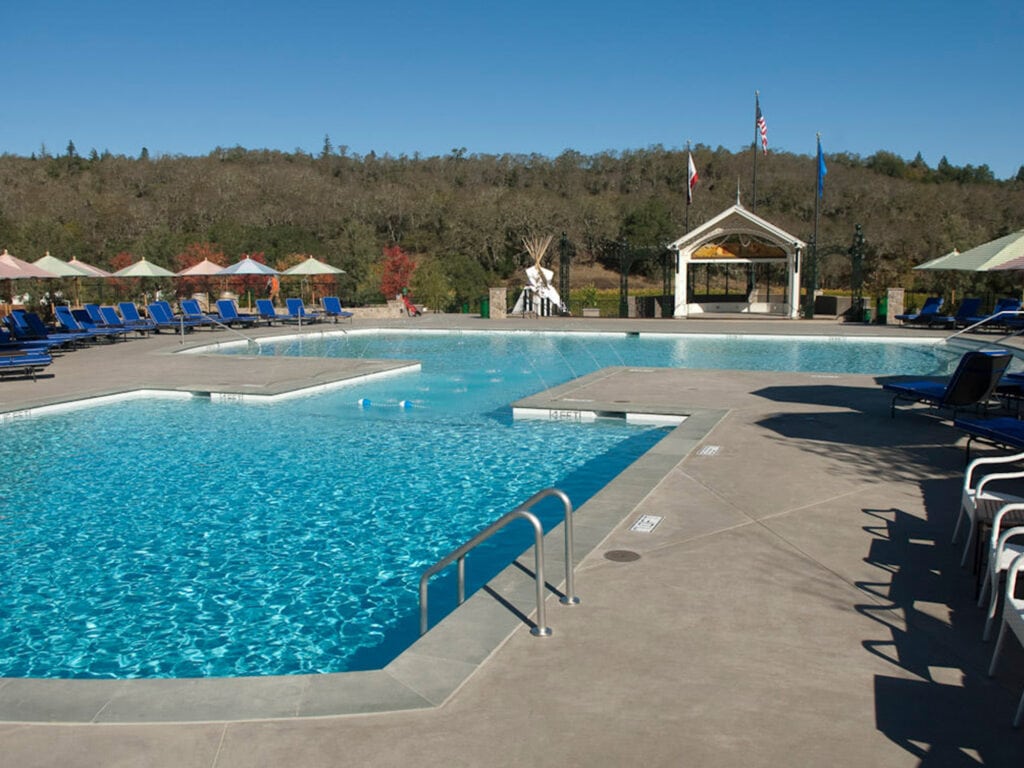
[1003,431]
[968,308]
[972,384]
[101,329]
[192,311]
[267,311]
[332,308]
[131,317]
[10,343]
[114,320]
[928,312]
[229,314]
[27,362]
[29,327]
[1002,313]
[297,311]
[72,324]
[163,319]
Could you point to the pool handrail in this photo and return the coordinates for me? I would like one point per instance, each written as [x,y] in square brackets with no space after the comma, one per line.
[1006,313]
[522,511]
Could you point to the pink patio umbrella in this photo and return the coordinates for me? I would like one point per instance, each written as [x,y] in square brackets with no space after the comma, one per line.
[203,269]
[88,270]
[13,268]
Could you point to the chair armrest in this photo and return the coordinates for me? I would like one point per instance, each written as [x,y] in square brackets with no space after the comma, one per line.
[996,476]
[984,460]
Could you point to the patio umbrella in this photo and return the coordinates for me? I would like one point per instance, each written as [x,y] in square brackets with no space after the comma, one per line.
[58,267]
[312,266]
[64,269]
[88,270]
[204,268]
[14,268]
[937,263]
[247,266]
[982,258]
[143,268]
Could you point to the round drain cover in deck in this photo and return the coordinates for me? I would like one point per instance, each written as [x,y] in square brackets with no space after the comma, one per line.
[621,555]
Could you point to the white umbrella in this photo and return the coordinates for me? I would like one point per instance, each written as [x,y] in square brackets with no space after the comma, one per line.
[64,269]
[58,267]
[312,266]
[88,270]
[247,266]
[203,268]
[143,268]
[15,268]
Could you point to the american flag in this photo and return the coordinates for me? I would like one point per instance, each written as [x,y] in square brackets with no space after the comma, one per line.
[762,126]
[692,177]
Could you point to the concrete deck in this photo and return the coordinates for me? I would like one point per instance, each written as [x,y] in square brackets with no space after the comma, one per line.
[798,604]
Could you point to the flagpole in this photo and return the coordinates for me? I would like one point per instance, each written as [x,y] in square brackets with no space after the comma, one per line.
[813,282]
[753,196]
[689,190]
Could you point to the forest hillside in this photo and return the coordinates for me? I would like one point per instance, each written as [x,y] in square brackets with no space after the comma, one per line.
[468,214]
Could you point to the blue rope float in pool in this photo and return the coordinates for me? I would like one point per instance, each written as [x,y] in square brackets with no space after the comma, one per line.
[365,402]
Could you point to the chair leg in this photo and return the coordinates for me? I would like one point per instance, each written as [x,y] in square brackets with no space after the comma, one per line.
[967,545]
[993,605]
[1020,713]
[956,525]
[983,592]
[997,650]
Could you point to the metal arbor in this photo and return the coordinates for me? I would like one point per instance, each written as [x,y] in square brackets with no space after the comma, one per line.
[565,254]
[856,252]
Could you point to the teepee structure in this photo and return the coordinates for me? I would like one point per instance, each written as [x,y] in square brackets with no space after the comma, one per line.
[540,296]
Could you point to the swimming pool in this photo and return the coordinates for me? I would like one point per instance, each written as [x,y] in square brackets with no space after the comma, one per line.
[178,538]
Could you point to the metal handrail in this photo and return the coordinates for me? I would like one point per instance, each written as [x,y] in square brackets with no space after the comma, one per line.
[251,341]
[522,511]
[984,321]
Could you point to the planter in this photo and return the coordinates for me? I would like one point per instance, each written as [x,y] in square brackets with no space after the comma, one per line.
[591,311]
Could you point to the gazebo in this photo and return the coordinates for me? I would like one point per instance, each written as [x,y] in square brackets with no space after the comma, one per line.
[737,236]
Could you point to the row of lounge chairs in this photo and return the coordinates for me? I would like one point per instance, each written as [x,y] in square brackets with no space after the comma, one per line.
[27,343]
[227,314]
[989,501]
[1004,315]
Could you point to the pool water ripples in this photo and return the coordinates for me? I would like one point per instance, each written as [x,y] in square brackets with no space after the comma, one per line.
[185,538]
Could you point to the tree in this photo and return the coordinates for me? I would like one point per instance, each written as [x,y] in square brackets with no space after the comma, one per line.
[430,285]
[397,272]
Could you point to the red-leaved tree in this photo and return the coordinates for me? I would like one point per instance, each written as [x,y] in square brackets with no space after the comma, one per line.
[397,272]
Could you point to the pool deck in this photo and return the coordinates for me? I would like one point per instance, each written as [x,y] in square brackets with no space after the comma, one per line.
[798,603]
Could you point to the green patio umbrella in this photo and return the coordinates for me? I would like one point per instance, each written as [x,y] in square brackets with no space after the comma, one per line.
[312,267]
[982,258]
[143,268]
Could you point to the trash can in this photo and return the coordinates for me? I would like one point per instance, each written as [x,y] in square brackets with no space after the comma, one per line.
[883,310]
[485,308]
[465,308]
[867,314]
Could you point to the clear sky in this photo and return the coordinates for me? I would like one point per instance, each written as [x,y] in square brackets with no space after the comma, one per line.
[940,77]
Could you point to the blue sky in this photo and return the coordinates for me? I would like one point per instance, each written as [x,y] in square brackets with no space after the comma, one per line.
[400,77]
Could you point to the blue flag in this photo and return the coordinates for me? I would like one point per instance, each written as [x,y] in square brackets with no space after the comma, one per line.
[822,170]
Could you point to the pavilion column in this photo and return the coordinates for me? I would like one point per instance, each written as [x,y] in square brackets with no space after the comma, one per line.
[795,263]
[682,275]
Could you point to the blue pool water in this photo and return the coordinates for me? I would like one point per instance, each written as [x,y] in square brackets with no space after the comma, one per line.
[182,538]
